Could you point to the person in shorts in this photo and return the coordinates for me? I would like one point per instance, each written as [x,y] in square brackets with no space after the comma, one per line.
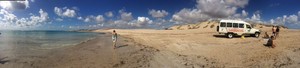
[274,31]
[114,38]
[277,32]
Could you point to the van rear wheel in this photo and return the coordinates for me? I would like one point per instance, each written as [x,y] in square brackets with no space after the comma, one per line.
[229,35]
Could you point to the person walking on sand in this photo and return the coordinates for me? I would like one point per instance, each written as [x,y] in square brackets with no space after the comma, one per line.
[114,38]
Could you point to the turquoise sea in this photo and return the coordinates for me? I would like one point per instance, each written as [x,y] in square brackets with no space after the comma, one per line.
[43,39]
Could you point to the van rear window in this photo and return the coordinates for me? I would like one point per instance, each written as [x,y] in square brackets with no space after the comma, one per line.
[223,24]
[241,25]
[229,24]
[235,25]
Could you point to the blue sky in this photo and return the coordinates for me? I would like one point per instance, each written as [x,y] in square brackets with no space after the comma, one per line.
[94,14]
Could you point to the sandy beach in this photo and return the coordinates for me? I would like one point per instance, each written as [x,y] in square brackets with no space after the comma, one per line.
[149,33]
[198,48]
[93,53]
[146,48]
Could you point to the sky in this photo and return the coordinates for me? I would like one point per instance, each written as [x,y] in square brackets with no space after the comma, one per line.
[133,14]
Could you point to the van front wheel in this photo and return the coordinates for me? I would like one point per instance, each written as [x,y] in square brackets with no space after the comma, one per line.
[256,35]
[229,35]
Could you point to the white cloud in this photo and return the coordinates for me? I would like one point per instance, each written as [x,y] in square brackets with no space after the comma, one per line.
[88,19]
[12,5]
[211,9]
[109,14]
[99,18]
[43,15]
[299,13]
[69,13]
[279,21]
[292,19]
[79,18]
[91,18]
[272,21]
[58,11]
[158,13]
[125,16]
[255,17]
[220,8]
[244,13]
[35,20]
[161,22]
[59,19]
[286,20]
[10,20]
[8,16]
[65,12]
[127,21]
[189,16]
[142,21]
[238,3]
[120,23]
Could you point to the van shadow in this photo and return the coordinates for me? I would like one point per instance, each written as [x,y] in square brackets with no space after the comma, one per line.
[2,61]
[224,36]
[220,36]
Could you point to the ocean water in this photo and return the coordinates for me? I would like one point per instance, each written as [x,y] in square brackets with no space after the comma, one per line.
[43,39]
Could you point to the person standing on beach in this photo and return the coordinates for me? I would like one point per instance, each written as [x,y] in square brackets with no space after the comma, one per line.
[277,32]
[274,31]
[114,38]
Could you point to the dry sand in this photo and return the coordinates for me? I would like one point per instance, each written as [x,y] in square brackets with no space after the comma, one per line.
[206,48]
[194,48]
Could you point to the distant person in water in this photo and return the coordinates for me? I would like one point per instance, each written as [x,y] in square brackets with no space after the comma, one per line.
[114,38]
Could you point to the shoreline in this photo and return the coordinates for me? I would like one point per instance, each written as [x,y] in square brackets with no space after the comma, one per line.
[95,53]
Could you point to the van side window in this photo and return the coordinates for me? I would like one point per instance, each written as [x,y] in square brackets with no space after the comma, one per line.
[223,24]
[235,25]
[229,24]
[248,26]
[241,25]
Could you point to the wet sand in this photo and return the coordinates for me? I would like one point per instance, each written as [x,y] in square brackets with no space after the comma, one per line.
[95,53]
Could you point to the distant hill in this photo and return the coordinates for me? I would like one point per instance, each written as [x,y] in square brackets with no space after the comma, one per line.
[214,24]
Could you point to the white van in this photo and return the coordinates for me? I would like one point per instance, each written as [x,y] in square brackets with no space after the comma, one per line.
[236,27]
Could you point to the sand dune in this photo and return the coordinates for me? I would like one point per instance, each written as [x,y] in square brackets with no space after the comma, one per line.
[200,25]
